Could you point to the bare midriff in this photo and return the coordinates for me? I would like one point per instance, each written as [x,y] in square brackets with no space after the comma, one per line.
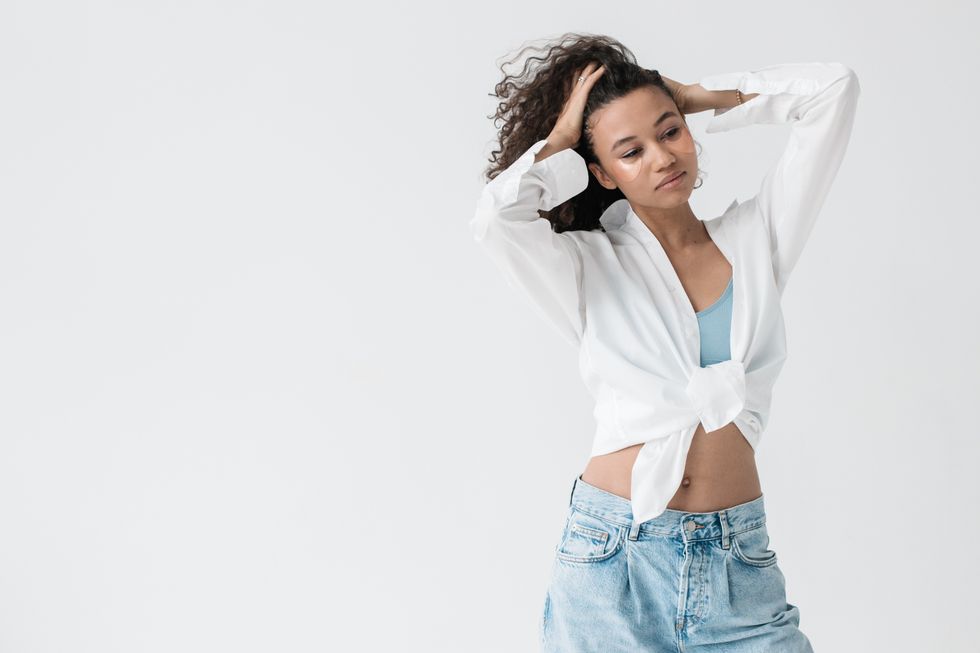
[720,471]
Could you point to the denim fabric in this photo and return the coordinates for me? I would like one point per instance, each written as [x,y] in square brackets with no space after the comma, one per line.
[682,582]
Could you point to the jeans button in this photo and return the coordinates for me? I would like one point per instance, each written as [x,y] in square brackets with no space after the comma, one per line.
[689,526]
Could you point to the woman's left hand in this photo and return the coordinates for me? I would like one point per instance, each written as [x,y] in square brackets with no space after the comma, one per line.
[680,93]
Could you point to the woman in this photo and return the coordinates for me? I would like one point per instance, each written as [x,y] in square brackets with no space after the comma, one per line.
[678,325]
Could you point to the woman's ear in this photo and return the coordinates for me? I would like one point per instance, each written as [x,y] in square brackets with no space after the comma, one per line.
[602,177]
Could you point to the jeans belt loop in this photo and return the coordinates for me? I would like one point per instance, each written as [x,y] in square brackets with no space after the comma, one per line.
[725,530]
[635,530]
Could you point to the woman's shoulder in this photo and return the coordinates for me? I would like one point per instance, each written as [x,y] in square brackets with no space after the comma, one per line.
[737,217]
[604,239]
[729,215]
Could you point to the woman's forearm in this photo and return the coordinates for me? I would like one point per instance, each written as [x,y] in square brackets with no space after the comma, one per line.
[701,99]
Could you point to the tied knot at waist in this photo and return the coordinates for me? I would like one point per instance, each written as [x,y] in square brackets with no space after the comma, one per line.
[717,393]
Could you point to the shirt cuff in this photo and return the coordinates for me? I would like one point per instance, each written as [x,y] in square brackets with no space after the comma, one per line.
[562,176]
[793,79]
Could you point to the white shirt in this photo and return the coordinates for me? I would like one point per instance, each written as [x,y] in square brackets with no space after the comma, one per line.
[616,297]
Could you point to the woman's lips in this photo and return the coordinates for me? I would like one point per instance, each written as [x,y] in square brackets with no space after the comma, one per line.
[672,182]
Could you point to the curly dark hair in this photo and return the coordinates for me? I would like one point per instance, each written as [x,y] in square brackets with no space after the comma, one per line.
[531,101]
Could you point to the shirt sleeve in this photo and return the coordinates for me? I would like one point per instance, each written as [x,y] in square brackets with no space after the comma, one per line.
[819,101]
[545,266]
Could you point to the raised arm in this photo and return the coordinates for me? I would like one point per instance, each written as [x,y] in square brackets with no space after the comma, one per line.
[819,101]
[544,265]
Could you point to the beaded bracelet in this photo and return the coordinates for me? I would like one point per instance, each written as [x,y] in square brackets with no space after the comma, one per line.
[738,96]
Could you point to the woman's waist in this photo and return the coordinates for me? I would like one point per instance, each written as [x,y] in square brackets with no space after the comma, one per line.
[719,468]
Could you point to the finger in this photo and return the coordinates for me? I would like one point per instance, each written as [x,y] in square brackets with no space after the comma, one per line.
[592,77]
[595,73]
[586,77]
[588,70]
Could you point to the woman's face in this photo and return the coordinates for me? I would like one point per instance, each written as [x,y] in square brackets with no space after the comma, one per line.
[641,140]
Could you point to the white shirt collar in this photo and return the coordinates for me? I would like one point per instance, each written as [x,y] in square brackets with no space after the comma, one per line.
[620,215]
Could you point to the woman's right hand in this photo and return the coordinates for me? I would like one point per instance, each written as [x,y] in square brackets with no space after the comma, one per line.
[568,128]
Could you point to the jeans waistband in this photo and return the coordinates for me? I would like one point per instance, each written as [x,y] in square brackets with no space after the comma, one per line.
[715,524]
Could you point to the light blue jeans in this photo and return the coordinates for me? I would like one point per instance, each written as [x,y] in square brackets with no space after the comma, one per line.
[682,582]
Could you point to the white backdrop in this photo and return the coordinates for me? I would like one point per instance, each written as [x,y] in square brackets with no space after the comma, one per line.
[259,390]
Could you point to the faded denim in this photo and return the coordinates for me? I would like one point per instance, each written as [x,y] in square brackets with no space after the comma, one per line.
[682,582]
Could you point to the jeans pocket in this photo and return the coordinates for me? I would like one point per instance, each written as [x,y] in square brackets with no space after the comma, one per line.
[588,538]
[752,547]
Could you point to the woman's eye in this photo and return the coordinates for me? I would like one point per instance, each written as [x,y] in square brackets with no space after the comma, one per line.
[670,133]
